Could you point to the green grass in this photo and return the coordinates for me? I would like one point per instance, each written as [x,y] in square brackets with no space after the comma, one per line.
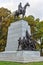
[15,63]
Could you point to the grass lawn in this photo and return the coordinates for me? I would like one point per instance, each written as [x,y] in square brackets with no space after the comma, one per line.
[15,63]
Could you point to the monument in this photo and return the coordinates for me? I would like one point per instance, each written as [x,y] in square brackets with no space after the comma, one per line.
[25,51]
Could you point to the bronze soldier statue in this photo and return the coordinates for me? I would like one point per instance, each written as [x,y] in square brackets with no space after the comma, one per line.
[19,43]
[27,43]
[21,10]
[20,7]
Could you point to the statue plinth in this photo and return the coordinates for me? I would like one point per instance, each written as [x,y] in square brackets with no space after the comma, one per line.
[16,30]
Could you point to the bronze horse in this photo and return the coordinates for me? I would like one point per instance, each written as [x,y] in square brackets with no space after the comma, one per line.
[23,10]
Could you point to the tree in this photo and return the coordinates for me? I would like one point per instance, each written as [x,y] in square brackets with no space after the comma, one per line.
[4,12]
[5,19]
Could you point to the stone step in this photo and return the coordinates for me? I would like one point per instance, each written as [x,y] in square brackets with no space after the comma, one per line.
[21,56]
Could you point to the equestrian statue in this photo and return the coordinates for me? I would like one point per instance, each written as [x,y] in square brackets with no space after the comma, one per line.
[21,10]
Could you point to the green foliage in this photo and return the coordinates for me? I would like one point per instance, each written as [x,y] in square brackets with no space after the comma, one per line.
[4,24]
[4,12]
[30,20]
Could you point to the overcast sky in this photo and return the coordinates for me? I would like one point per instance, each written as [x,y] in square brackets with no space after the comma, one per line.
[35,9]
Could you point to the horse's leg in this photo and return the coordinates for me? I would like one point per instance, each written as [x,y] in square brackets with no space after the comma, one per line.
[16,15]
[18,47]
[23,14]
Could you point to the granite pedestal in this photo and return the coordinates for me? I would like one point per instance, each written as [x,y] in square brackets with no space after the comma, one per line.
[16,30]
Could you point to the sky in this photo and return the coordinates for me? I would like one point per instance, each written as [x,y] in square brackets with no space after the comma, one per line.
[35,9]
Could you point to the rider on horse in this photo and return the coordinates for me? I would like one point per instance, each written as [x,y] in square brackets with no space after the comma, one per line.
[21,10]
[20,7]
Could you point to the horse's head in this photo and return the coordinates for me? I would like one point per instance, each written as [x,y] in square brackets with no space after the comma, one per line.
[27,4]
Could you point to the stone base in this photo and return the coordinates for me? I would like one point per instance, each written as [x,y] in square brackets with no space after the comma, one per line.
[21,56]
[15,31]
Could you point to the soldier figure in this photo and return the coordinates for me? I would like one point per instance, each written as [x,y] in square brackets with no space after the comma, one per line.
[19,44]
[20,7]
[24,43]
[27,35]
[27,43]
